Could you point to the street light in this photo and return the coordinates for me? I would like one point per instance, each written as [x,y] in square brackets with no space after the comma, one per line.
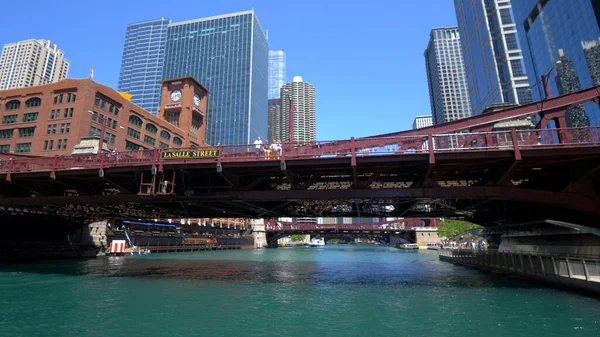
[545,79]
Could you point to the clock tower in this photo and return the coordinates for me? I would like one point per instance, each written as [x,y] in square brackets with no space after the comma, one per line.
[183,104]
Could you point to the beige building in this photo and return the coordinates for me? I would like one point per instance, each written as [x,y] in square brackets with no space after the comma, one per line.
[31,62]
[302,94]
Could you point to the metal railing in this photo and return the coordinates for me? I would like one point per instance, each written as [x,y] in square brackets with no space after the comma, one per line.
[511,140]
[528,264]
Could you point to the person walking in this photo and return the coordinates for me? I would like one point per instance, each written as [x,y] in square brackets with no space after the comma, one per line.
[258,144]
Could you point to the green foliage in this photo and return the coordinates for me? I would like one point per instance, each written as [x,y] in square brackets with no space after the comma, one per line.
[450,228]
[297,237]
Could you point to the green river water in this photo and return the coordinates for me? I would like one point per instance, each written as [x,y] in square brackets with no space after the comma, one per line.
[344,290]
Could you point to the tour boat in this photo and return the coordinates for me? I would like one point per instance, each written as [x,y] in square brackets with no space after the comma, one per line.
[314,242]
[408,246]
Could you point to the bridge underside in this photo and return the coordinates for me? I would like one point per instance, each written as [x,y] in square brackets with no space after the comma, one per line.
[491,187]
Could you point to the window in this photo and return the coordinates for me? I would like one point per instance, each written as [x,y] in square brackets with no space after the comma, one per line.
[165,135]
[517,68]
[55,114]
[59,144]
[113,139]
[45,148]
[30,117]
[33,102]
[23,148]
[5,148]
[511,41]
[13,105]
[26,132]
[163,145]
[135,120]
[6,134]
[71,97]
[97,102]
[132,146]
[151,128]
[505,16]
[68,113]
[64,144]
[177,141]
[149,140]
[111,108]
[116,111]
[10,119]
[133,133]
[102,104]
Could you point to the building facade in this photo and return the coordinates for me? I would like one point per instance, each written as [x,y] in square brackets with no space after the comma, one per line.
[492,54]
[565,31]
[52,119]
[229,55]
[422,122]
[142,62]
[274,119]
[302,96]
[446,77]
[276,72]
[31,62]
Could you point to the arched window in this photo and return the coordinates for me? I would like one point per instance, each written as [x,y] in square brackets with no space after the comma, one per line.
[135,120]
[33,102]
[165,135]
[13,105]
[177,141]
[151,128]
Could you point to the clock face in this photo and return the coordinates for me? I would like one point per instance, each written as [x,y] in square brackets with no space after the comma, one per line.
[196,99]
[175,95]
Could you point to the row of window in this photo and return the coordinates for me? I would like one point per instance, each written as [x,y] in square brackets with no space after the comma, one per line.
[23,133]
[64,128]
[61,144]
[16,104]
[67,113]
[66,97]
[108,137]
[99,118]
[102,104]
[150,128]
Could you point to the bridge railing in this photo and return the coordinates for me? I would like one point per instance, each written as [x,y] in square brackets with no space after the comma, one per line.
[353,148]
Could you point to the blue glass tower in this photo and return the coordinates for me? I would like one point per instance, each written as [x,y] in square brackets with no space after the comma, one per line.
[565,31]
[493,58]
[276,72]
[142,62]
[229,55]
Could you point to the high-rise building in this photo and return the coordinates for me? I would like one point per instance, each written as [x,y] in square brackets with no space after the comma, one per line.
[446,76]
[302,96]
[274,119]
[229,55]
[565,31]
[422,122]
[142,62]
[31,62]
[276,72]
[493,58]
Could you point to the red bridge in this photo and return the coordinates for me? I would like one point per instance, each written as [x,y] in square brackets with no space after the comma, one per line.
[465,167]
[386,226]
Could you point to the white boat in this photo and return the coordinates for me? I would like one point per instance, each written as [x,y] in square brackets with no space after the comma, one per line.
[314,242]
[408,246]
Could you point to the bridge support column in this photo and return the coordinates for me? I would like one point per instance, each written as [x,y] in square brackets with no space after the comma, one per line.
[258,231]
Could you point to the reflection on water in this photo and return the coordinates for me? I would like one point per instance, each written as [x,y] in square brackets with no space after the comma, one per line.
[334,291]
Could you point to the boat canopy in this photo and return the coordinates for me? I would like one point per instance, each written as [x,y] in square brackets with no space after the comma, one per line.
[154,224]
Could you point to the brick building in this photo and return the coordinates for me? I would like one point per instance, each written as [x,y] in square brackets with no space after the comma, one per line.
[51,119]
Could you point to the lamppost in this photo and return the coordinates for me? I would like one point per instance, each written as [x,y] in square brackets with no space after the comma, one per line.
[545,79]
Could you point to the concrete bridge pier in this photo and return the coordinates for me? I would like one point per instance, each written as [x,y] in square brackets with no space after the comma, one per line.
[258,232]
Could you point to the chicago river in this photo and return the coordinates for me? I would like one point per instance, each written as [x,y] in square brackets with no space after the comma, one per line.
[338,290]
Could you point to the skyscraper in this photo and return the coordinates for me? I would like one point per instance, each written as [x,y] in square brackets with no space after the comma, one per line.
[31,62]
[142,62]
[276,72]
[446,76]
[302,96]
[274,119]
[229,55]
[493,58]
[565,31]
[422,122]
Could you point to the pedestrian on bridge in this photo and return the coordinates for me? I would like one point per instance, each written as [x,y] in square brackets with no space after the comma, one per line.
[258,144]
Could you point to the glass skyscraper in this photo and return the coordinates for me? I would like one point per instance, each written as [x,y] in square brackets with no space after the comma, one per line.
[565,31]
[276,72]
[229,55]
[493,58]
[446,76]
[142,62]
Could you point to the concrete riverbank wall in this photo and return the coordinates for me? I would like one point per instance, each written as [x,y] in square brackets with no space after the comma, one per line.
[582,273]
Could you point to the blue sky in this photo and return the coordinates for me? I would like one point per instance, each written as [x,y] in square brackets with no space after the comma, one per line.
[365,58]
